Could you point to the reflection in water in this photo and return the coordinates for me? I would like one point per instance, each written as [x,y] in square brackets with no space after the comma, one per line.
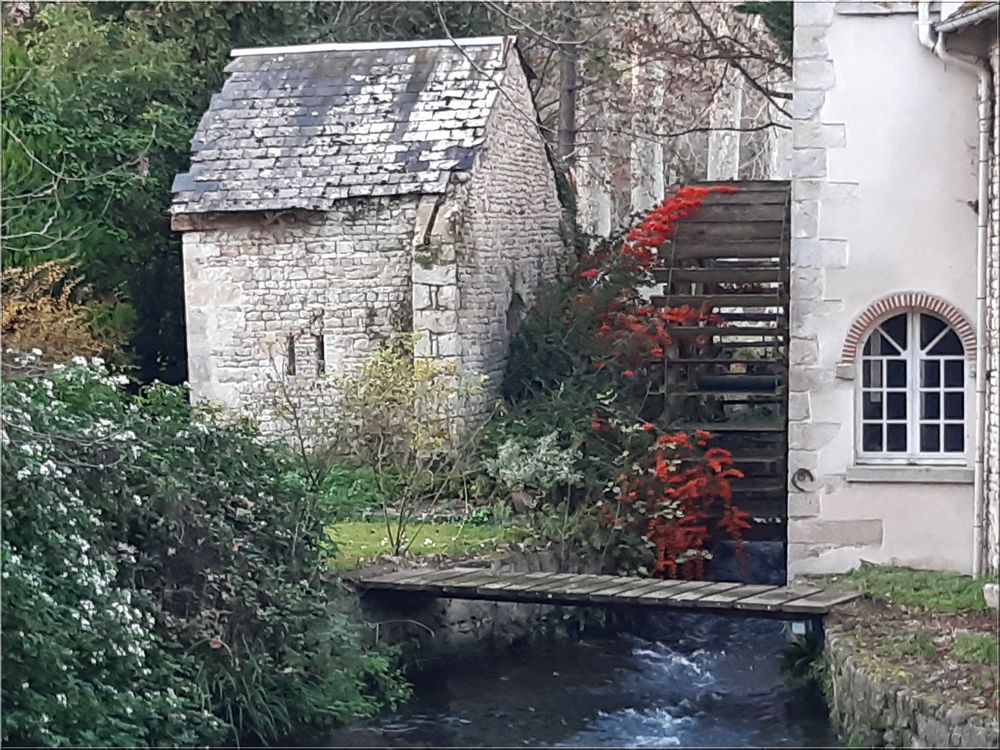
[689,681]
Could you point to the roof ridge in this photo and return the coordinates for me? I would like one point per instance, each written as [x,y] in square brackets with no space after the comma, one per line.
[473,41]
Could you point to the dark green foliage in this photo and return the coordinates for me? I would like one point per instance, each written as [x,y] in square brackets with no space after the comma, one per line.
[100,103]
[778,17]
[166,577]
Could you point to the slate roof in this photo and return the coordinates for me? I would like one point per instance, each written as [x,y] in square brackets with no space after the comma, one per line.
[302,127]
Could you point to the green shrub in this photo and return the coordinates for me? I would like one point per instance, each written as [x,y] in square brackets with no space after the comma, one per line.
[347,492]
[165,577]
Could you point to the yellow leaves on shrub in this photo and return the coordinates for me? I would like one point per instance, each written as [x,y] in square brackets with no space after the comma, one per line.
[47,307]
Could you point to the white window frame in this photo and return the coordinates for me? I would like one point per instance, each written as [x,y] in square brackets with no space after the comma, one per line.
[913,357]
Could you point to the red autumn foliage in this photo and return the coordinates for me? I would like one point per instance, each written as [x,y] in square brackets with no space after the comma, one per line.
[674,497]
[678,492]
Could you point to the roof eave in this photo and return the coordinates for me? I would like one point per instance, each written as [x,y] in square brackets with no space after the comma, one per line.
[476,41]
[968,19]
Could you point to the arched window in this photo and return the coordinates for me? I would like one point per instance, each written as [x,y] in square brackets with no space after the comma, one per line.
[913,391]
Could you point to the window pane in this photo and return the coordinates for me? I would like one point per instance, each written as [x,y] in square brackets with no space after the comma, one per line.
[930,438]
[871,437]
[871,405]
[871,373]
[895,373]
[930,373]
[954,405]
[954,438]
[953,373]
[930,406]
[949,344]
[930,327]
[895,328]
[879,344]
[895,406]
[895,438]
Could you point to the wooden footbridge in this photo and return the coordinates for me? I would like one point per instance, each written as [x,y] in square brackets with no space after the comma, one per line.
[796,602]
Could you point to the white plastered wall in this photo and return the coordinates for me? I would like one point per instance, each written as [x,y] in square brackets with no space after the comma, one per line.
[884,168]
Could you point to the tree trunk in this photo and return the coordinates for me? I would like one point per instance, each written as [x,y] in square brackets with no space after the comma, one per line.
[568,87]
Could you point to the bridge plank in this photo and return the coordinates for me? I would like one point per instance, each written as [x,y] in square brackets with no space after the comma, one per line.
[434,578]
[666,592]
[556,582]
[694,595]
[396,576]
[772,600]
[726,598]
[625,584]
[819,603]
[590,586]
[516,581]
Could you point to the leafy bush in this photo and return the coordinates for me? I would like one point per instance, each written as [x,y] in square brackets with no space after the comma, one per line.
[165,577]
[540,464]
[347,492]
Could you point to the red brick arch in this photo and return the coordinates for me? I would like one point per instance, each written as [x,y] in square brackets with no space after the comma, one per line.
[901,302]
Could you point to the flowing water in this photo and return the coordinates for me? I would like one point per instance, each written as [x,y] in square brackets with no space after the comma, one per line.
[689,681]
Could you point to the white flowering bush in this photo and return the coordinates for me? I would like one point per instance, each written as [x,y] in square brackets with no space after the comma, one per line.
[538,464]
[164,575]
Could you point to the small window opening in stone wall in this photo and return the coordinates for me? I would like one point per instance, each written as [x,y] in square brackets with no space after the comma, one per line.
[320,355]
[516,312]
[290,356]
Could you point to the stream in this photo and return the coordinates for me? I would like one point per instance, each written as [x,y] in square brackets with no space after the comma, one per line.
[682,680]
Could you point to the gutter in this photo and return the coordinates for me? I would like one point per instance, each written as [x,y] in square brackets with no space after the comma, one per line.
[967,19]
[933,37]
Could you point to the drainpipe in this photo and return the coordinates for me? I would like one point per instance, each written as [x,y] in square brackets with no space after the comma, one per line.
[936,42]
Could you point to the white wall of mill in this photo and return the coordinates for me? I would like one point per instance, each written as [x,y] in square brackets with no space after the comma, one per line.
[883,167]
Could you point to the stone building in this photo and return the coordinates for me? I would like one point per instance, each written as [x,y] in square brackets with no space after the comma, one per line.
[895,378]
[342,192]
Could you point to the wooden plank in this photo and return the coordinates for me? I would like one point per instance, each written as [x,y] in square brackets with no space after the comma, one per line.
[749,211]
[772,600]
[777,300]
[726,598]
[746,331]
[642,586]
[629,583]
[701,247]
[515,581]
[609,582]
[737,231]
[471,582]
[776,196]
[773,274]
[435,578]
[662,593]
[395,576]
[691,597]
[819,603]
[557,582]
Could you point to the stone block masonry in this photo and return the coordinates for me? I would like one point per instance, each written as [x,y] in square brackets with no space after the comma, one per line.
[284,301]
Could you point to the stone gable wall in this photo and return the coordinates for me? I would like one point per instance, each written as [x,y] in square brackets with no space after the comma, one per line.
[493,242]
[250,284]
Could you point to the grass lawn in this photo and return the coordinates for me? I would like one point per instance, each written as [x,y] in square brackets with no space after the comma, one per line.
[361,541]
[918,590]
